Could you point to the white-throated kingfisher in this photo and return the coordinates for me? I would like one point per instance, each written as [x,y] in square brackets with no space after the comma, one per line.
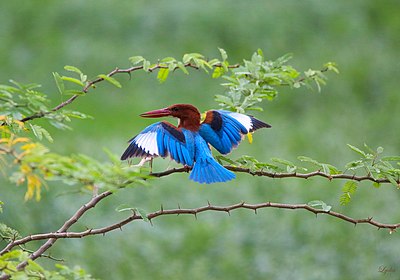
[188,143]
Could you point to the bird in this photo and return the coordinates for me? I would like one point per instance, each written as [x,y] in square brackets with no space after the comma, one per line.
[189,142]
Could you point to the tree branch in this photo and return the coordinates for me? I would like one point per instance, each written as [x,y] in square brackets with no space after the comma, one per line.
[63,231]
[317,173]
[78,214]
[194,211]
[90,84]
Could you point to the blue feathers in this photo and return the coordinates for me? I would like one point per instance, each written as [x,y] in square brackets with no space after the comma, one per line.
[188,144]
[160,139]
[206,170]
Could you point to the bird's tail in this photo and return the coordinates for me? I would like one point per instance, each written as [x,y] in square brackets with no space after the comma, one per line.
[208,171]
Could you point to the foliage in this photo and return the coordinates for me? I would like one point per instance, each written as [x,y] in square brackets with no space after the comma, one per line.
[372,165]
[251,83]
[10,260]
[258,79]
[24,155]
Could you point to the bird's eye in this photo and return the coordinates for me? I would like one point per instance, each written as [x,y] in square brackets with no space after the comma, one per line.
[174,109]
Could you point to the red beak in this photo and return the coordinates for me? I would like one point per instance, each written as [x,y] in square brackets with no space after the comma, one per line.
[157,113]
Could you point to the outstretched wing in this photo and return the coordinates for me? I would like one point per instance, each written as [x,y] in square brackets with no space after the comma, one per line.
[160,139]
[224,130]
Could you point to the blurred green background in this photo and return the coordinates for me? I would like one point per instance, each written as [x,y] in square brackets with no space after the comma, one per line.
[360,105]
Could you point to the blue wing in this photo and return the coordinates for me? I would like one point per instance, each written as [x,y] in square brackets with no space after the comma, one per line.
[224,130]
[160,139]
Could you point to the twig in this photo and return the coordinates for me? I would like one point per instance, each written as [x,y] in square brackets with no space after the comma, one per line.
[317,173]
[78,214]
[90,84]
[43,255]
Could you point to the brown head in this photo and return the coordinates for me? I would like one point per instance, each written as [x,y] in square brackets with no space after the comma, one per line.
[188,115]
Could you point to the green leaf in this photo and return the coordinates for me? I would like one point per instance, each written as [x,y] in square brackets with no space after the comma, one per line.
[162,74]
[34,267]
[59,125]
[8,233]
[283,161]
[136,59]
[73,69]
[73,92]
[172,66]
[376,185]
[183,68]
[224,99]
[223,54]
[218,72]
[221,159]
[355,164]
[124,208]
[186,58]
[111,80]
[146,65]
[142,214]
[59,82]
[391,158]
[72,80]
[332,67]
[393,181]
[76,114]
[255,108]
[333,169]
[348,190]
[39,132]
[320,204]
[214,62]
[357,150]
[168,59]
[309,160]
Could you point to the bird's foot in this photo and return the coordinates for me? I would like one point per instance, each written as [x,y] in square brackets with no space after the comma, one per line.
[187,168]
[143,161]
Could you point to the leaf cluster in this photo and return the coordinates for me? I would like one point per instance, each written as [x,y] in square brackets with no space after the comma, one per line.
[258,79]
[190,60]
[20,101]
[35,164]
[372,164]
[9,262]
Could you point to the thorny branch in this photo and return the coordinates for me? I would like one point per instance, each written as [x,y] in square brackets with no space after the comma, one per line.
[317,173]
[63,232]
[50,242]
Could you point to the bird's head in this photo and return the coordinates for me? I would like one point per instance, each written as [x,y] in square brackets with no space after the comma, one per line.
[180,111]
[188,114]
